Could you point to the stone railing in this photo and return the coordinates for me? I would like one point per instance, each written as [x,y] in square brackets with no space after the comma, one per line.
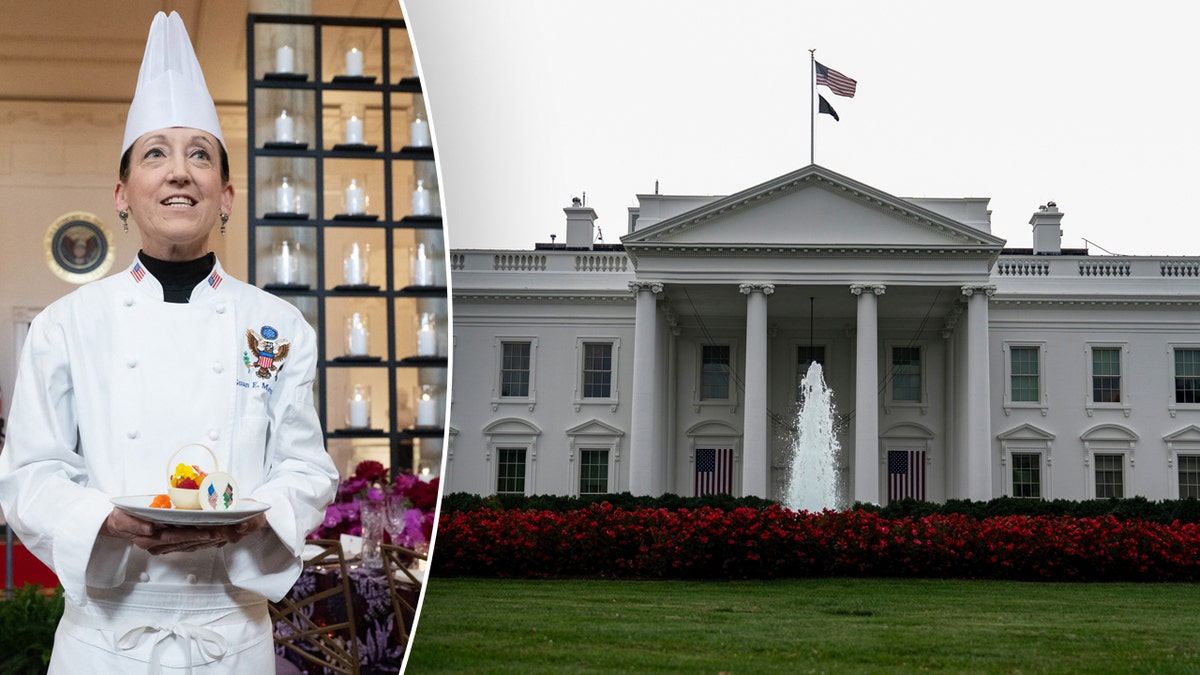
[1133,267]
[585,262]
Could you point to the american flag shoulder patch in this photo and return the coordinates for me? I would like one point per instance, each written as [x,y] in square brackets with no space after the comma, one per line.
[138,272]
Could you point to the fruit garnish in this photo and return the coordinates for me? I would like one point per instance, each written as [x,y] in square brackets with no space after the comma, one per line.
[161,502]
[187,477]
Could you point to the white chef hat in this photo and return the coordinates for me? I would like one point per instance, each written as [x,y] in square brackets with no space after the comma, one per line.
[171,91]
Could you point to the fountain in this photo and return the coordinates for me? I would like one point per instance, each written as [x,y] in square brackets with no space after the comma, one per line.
[813,482]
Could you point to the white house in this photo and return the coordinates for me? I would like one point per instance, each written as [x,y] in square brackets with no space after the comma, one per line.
[962,368]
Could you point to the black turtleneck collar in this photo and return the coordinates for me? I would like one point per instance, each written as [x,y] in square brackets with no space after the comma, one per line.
[178,278]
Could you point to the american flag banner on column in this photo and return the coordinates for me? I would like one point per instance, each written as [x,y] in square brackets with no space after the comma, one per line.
[906,474]
[714,471]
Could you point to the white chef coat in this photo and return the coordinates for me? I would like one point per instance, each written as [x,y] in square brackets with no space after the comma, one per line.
[112,381]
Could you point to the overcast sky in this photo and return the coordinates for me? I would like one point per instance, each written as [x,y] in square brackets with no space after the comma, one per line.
[1091,105]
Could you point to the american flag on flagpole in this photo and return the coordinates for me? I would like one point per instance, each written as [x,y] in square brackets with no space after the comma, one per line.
[837,82]
[714,471]
[906,474]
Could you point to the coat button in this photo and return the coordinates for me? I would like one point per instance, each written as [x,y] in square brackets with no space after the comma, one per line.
[144,576]
[214,434]
[218,368]
[220,309]
[129,302]
[132,433]
[131,363]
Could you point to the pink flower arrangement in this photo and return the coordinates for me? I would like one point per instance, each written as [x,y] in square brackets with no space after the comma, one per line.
[371,481]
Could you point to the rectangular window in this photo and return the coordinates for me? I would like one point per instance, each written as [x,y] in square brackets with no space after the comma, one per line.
[514,370]
[1187,375]
[1106,375]
[1189,476]
[510,471]
[1026,384]
[597,369]
[1026,475]
[1110,476]
[805,356]
[906,374]
[714,372]
[593,471]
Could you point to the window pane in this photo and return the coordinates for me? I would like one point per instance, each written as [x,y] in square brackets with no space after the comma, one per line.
[714,372]
[1106,375]
[1187,375]
[1189,476]
[597,369]
[906,373]
[514,369]
[1025,376]
[1026,477]
[593,471]
[510,474]
[1110,476]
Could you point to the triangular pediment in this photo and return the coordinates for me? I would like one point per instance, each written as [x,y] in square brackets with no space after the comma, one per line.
[1188,434]
[811,208]
[594,428]
[1026,432]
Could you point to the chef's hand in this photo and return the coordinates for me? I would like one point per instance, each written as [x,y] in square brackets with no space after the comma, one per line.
[234,533]
[159,539]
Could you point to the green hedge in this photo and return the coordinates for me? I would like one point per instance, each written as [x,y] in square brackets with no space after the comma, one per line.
[1166,511]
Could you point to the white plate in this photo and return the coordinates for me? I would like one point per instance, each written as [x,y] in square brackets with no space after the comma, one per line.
[139,505]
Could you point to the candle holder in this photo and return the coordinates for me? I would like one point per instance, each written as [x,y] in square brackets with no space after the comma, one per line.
[286,256]
[419,132]
[357,335]
[421,265]
[427,335]
[358,406]
[355,200]
[354,62]
[427,406]
[356,264]
[422,200]
[284,128]
[285,60]
[287,200]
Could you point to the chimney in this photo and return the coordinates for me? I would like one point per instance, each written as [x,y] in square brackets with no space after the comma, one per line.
[580,225]
[1047,230]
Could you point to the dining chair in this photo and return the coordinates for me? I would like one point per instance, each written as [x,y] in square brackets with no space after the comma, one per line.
[314,626]
[402,583]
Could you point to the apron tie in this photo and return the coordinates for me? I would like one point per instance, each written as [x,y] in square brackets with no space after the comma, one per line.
[209,642]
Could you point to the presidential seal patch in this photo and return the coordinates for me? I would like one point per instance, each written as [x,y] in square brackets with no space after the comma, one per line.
[267,352]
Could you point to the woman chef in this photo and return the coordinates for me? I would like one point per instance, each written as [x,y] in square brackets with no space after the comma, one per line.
[118,375]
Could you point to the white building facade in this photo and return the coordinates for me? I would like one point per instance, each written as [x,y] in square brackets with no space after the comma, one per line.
[962,369]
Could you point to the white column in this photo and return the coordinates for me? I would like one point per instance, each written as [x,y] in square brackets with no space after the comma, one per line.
[977,418]
[866,395]
[755,447]
[644,478]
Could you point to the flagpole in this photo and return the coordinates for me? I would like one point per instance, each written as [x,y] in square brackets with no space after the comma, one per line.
[812,107]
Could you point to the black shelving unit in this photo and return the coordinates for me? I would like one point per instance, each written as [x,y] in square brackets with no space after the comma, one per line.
[317,95]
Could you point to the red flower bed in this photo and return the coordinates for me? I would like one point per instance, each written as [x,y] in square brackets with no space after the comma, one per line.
[602,540]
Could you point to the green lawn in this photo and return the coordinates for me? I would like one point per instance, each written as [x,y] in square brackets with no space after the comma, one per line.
[805,626]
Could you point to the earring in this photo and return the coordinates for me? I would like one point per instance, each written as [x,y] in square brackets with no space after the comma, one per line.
[224,219]
[124,215]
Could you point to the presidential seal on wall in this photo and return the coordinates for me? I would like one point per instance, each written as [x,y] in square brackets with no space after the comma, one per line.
[79,248]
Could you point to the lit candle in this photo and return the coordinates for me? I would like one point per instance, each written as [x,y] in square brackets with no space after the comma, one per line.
[283,128]
[357,342]
[354,63]
[421,202]
[354,130]
[285,265]
[426,337]
[285,197]
[285,58]
[422,272]
[426,411]
[420,133]
[355,199]
[360,410]
[353,266]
